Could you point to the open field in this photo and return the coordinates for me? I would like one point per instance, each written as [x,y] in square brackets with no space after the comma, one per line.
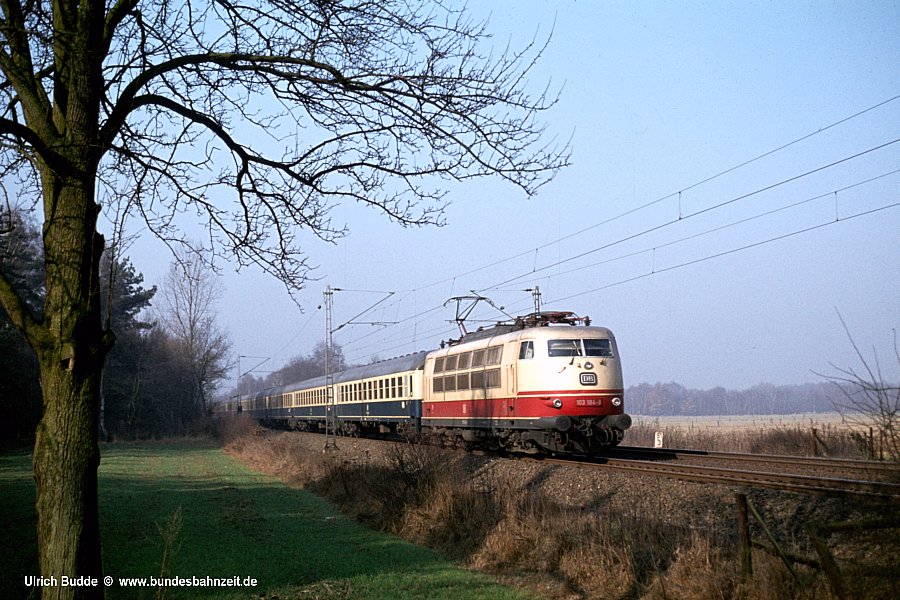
[725,423]
[801,434]
[187,510]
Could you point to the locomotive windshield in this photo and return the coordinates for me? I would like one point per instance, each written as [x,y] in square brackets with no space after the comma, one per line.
[575,347]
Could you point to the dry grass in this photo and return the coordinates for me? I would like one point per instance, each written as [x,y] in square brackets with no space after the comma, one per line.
[773,438]
[620,546]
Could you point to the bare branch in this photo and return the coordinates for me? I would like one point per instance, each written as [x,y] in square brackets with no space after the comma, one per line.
[867,400]
[374,103]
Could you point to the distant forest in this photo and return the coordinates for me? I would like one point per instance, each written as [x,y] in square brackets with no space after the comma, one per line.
[673,399]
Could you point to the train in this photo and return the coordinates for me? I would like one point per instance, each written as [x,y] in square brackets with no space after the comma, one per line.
[546,382]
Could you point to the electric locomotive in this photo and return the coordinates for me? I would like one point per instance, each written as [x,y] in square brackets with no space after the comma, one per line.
[537,384]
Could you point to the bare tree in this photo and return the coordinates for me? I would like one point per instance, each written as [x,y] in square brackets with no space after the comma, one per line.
[867,399]
[255,116]
[188,314]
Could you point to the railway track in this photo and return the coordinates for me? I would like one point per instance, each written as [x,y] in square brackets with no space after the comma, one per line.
[869,467]
[670,463]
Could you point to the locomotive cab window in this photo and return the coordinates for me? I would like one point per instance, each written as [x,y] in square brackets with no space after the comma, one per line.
[526,350]
[597,347]
[564,348]
[587,347]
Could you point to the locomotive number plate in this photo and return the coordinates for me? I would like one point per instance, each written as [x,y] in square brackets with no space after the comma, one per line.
[588,379]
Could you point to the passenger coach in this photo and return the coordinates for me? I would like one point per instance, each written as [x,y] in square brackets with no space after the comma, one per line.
[382,395]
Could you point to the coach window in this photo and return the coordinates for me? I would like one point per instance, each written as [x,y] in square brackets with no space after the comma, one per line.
[462,381]
[492,378]
[477,358]
[439,364]
[526,350]
[465,359]
[450,362]
[437,384]
[450,383]
[494,355]
[477,380]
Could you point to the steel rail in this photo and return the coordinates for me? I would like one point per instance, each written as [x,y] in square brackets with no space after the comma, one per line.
[828,486]
[832,463]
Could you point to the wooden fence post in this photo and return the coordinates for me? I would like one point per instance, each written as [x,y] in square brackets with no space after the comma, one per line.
[826,560]
[787,560]
[871,444]
[744,535]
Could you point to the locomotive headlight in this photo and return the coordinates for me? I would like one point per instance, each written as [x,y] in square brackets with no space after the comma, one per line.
[557,403]
[588,365]
[617,402]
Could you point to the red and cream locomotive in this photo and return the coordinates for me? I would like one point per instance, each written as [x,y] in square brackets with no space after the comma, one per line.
[546,382]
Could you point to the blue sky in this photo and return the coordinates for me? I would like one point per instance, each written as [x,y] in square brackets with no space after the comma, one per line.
[657,98]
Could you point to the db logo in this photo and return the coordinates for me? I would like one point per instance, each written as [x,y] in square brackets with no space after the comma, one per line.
[588,379]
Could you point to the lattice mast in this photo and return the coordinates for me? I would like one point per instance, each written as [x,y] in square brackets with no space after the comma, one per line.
[536,297]
[330,400]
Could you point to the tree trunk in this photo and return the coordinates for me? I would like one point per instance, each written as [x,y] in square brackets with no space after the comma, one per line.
[66,457]
[71,351]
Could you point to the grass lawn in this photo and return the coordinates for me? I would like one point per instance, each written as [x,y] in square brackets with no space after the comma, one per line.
[190,511]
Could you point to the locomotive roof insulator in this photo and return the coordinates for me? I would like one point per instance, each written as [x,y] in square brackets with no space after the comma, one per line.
[545,318]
